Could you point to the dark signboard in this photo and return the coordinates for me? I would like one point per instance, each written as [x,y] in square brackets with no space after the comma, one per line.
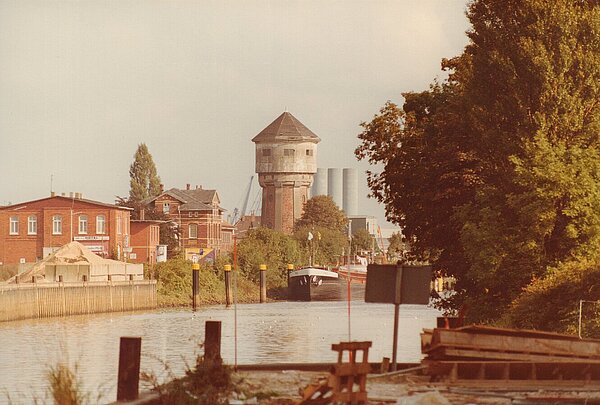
[398,284]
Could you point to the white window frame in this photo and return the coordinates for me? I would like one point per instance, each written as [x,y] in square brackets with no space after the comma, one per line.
[101,224]
[13,225]
[195,227]
[32,225]
[83,224]
[56,225]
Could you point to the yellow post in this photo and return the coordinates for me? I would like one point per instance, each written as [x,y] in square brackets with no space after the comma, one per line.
[227,269]
[263,282]
[195,285]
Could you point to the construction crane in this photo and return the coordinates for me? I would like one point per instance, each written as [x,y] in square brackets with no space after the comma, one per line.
[237,214]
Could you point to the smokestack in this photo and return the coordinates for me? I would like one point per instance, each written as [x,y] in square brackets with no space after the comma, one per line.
[187,186]
[52,194]
[71,194]
[162,187]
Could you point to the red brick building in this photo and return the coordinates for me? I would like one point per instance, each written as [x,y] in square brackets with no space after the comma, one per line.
[198,215]
[32,230]
[145,237]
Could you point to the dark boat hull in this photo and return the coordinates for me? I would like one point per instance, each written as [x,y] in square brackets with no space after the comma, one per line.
[334,289]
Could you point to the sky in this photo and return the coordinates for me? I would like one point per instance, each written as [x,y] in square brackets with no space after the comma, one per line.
[83,83]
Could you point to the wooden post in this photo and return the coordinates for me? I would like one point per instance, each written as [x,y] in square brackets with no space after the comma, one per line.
[263,282]
[129,368]
[212,341]
[227,285]
[195,285]
[395,343]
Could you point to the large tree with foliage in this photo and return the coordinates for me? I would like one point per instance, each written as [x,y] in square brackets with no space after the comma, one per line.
[322,231]
[495,172]
[144,180]
[322,211]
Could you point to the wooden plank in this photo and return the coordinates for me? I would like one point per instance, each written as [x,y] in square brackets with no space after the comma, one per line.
[442,353]
[514,370]
[462,338]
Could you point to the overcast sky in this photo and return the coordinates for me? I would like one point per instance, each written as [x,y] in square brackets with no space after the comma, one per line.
[82,83]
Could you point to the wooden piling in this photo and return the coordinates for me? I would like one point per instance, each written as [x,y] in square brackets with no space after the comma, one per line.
[129,368]
[227,269]
[263,282]
[212,341]
[195,285]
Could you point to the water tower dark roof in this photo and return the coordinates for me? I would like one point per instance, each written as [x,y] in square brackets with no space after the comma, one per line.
[286,128]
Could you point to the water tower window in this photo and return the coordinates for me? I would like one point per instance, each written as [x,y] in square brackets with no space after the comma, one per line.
[288,152]
[309,152]
[266,152]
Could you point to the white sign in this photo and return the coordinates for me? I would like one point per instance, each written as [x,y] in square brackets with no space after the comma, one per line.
[127,250]
[194,258]
[91,238]
[133,256]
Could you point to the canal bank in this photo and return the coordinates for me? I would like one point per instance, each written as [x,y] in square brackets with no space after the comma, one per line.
[278,332]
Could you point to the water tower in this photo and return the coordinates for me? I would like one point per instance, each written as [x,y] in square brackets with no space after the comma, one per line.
[286,161]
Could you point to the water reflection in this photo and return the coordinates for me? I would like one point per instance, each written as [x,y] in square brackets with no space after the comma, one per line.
[267,333]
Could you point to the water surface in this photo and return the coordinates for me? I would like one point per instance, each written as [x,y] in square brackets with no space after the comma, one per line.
[279,332]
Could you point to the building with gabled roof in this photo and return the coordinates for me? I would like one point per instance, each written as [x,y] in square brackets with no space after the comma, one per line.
[32,230]
[198,214]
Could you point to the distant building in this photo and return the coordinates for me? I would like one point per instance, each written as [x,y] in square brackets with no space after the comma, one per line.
[286,161]
[198,214]
[32,230]
[145,238]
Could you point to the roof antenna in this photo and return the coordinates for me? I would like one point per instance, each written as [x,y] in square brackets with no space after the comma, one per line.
[286,109]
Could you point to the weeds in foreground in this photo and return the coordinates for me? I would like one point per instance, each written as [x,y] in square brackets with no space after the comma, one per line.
[65,387]
[207,383]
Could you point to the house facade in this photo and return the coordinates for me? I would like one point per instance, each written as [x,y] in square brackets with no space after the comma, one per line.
[198,214]
[30,231]
[145,238]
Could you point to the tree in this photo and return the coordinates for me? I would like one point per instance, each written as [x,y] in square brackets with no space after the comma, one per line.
[362,241]
[144,180]
[322,231]
[495,173]
[270,247]
[321,211]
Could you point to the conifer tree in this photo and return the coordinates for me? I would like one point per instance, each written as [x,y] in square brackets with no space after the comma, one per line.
[144,180]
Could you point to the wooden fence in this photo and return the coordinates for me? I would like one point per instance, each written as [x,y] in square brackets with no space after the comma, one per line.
[42,300]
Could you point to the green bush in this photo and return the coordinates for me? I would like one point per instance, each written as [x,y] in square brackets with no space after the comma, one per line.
[175,284]
[552,303]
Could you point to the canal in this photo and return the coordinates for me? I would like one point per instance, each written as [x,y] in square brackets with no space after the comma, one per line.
[278,332]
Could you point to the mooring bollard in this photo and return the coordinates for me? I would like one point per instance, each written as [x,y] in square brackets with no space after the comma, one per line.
[129,368]
[290,268]
[227,269]
[195,285]
[263,282]
[212,341]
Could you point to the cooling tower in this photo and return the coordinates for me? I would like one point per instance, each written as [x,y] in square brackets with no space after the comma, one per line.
[350,193]
[335,186]
[319,183]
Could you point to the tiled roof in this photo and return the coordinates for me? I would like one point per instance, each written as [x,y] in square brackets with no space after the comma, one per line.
[286,127]
[195,199]
[68,201]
